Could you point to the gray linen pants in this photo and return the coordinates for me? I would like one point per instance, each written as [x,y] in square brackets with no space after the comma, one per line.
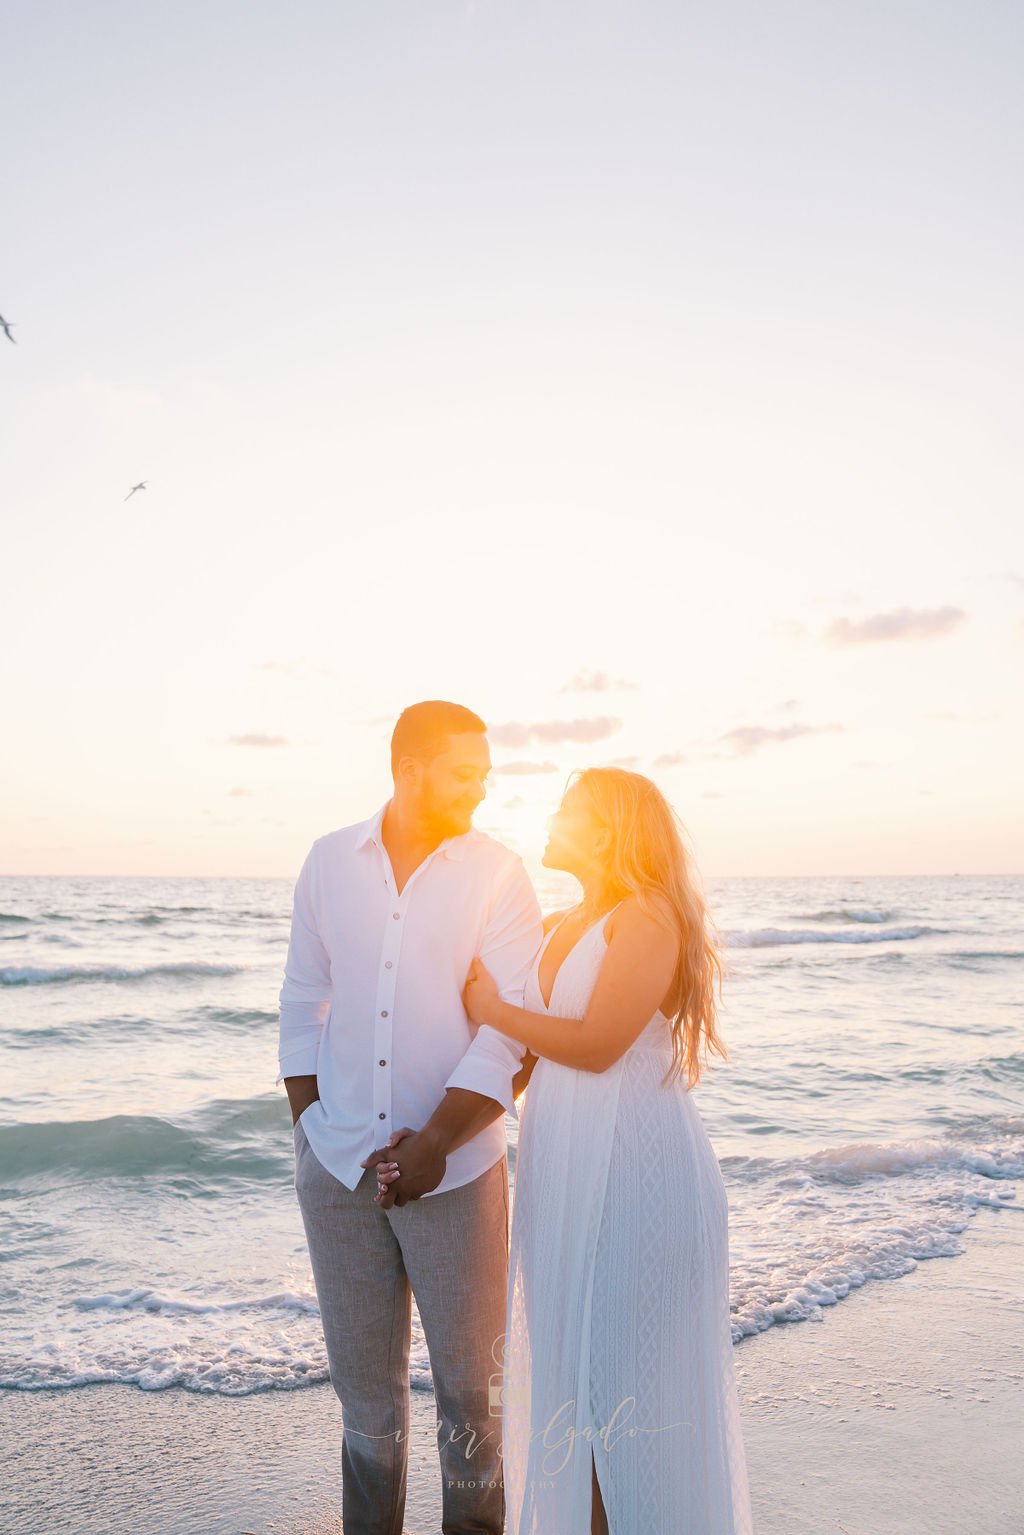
[450,1250]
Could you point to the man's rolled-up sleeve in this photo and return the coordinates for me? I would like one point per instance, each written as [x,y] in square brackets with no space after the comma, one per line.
[510,942]
[305,998]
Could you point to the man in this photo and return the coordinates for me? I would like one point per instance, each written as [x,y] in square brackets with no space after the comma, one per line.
[388,916]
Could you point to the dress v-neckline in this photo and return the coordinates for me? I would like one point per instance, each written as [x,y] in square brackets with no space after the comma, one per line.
[543,950]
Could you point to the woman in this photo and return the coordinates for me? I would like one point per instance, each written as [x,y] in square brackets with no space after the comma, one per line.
[620,1408]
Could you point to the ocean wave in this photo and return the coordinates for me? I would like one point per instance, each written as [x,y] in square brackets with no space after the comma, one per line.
[997,1068]
[870,1159]
[146,919]
[236,1017]
[168,1305]
[796,1296]
[209,1343]
[107,1026]
[155,1341]
[1000,1155]
[34,975]
[225,1141]
[967,957]
[772,937]
[155,916]
[838,1219]
[860,1212]
[846,914]
[152,913]
[182,911]
[162,1369]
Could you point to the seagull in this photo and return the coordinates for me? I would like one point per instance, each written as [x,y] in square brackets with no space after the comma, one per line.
[6,327]
[140,486]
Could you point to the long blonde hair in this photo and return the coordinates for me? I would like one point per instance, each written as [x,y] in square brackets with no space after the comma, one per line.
[648,858]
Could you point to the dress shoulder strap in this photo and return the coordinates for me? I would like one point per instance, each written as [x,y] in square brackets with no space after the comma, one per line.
[553,929]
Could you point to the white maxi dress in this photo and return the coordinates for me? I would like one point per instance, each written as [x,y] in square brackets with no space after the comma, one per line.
[618,1345]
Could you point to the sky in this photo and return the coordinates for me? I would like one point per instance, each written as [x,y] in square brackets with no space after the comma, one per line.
[643,376]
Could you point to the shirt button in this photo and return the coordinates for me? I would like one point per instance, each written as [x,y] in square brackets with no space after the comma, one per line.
[382,1063]
[387,964]
[381,1116]
[384,1014]
[396,915]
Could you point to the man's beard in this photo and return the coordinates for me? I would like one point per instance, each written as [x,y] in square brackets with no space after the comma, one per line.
[453,822]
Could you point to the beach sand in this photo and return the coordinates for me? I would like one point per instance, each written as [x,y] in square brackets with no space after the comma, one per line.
[900,1413]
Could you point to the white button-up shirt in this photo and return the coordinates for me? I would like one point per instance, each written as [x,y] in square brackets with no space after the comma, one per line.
[372,996]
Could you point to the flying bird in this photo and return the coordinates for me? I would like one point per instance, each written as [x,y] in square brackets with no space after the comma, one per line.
[140,486]
[7,327]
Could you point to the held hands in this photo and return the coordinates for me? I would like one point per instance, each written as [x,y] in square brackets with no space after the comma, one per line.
[480,996]
[420,1164]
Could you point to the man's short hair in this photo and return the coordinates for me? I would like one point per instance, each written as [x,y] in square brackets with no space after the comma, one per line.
[423,729]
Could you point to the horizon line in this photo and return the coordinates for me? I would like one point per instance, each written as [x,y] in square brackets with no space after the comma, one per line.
[948,874]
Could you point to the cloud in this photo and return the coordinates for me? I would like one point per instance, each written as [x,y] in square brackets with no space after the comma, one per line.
[520,768]
[553,731]
[670,759]
[509,735]
[256,738]
[747,739]
[577,730]
[625,762]
[240,793]
[588,681]
[897,624]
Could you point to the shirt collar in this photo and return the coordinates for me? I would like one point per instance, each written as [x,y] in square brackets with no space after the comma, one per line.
[370,830]
[453,848]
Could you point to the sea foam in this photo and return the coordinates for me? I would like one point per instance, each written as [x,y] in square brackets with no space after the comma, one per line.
[35,975]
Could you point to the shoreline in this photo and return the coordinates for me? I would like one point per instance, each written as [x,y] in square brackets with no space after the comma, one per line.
[897,1414]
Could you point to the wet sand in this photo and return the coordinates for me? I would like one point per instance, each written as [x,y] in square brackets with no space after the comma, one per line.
[900,1413]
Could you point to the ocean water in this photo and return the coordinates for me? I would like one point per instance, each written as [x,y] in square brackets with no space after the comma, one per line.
[149,1234]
